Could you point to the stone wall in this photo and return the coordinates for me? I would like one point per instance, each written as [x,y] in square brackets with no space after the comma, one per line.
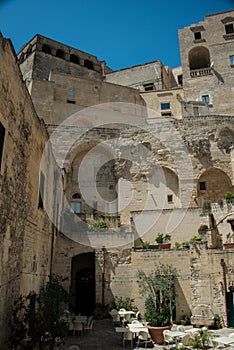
[26,230]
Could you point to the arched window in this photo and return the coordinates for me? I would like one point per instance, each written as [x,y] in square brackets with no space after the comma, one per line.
[199,57]
[60,53]
[74,59]
[46,49]
[88,64]
[76,196]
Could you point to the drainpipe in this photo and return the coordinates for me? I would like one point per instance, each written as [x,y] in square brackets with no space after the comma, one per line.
[223,265]
[103,274]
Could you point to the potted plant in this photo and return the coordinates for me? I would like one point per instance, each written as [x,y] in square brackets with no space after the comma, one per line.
[184,319]
[144,244]
[229,241]
[159,289]
[163,241]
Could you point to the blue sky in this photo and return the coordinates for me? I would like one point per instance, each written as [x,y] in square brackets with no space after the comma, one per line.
[123,32]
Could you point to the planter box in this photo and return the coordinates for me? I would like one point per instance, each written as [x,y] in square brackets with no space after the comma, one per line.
[228,245]
[157,333]
[164,245]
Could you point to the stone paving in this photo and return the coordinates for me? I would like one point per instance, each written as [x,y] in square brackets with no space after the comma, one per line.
[104,337]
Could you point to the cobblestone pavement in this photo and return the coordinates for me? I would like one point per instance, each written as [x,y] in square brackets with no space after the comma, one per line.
[104,337]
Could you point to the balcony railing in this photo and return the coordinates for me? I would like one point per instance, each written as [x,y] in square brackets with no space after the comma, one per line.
[201,72]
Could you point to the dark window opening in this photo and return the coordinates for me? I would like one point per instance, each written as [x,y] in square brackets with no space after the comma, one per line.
[202,185]
[180,79]
[197,35]
[166,114]
[165,105]
[206,98]
[60,53]
[41,190]
[169,198]
[149,87]
[111,187]
[71,101]
[76,196]
[46,49]
[2,136]
[88,64]
[74,59]
[229,28]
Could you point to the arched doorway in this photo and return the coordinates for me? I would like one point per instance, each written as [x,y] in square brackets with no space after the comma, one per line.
[83,283]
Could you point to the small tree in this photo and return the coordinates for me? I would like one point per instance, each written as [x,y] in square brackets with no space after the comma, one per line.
[159,288]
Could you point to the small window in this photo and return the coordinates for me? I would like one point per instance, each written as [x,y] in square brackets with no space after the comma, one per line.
[46,49]
[71,102]
[76,207]
[196,111]
[202,185]
[76,196]
[165,105]
[166,114]
[2,137]
[111,187]
[180,79]
[41,190]
[170,198]
[72,93]
[229,28]
[88,64]
[60,53]
[149,87]
[197,35]
[231,60]
[206,98]
[74,59]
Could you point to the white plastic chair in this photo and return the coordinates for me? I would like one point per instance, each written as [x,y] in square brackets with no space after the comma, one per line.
[185,340]
[180,328]
[144,337]
[128,336]
[231,335]
[135,321]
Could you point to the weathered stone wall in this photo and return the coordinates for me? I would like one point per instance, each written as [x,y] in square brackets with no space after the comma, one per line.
[218,82]
[26,231]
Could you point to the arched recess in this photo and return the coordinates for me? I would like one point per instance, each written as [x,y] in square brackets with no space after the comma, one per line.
[83,283]
[225,139]
[74,59]
[46,49]
[60,53]
[164,187]
[88,64]
[199,57]
[212,186]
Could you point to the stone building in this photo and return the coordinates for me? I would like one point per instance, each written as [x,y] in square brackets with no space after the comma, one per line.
[142,150]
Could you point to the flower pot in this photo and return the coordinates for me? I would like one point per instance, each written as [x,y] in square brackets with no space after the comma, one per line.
[164,245]
[157,333]
[228,245]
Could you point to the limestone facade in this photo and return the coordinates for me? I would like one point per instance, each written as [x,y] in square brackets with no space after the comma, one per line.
[145,140]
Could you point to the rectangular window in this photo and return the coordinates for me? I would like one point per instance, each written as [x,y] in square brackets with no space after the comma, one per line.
[165,105]
[169,198]
[231,60]
[206,98]
[196,111]
[76,207]
[197,35]
[41,190]
[180,79]
[149,87]
[202,185]
[71,102]
[2,137]
[229,28]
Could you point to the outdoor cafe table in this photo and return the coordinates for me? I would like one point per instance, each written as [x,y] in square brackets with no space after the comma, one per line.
[123,313]
[192,330]
[224,340]
[136,328]
[176,335]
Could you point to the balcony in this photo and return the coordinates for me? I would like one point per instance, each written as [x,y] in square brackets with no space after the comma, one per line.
[201,72]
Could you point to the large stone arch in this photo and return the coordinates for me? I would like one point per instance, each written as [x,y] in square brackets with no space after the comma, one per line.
[212,186]
[199,57]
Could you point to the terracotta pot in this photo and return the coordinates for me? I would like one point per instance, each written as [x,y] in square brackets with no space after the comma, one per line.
[164,245]
[157,333]
[228,245]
